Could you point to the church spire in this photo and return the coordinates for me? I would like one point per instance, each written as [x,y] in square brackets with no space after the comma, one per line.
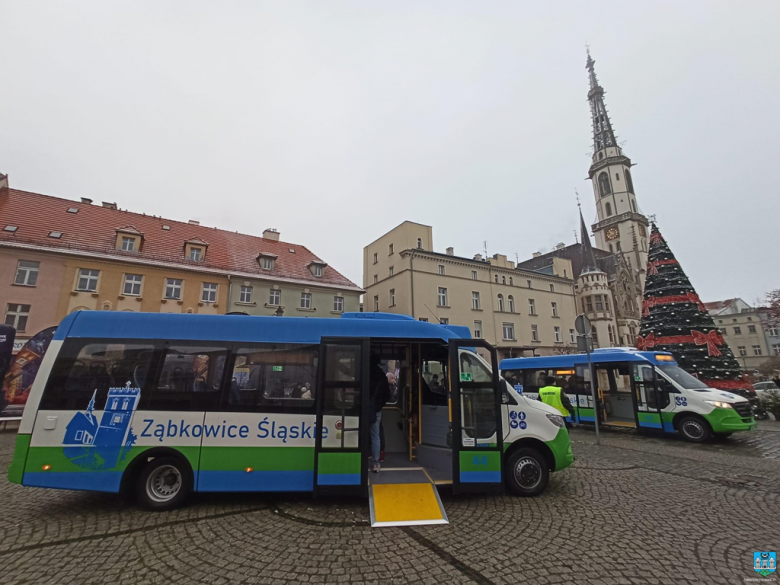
[588,257]
[603,135]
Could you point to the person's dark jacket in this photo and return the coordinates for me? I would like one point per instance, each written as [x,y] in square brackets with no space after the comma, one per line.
[379,390]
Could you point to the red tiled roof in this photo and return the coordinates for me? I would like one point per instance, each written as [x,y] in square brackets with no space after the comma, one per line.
[714,305]
[93,229]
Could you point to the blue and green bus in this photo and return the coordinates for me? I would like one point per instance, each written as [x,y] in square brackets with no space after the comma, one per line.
[635,389]
[162,405]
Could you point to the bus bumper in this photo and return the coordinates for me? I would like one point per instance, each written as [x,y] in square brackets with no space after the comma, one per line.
[727,420]
[16,470]
[561,450]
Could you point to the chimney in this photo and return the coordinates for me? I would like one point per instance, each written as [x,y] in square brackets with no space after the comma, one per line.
[193,222]
[536,254]
[560,246]
[478,257]
[271,234]
[3,181]
[108,205]
[87,201]
[450,251]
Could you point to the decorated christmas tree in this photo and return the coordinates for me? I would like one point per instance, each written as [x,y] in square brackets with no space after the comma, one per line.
[674,319]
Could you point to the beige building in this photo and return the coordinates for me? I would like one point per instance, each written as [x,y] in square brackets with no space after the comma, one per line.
[521,312]
[742,327]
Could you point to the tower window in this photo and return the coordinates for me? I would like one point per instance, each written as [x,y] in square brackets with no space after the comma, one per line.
[608,208]
[633,205]
[617,176]
[604,187]
[629,182]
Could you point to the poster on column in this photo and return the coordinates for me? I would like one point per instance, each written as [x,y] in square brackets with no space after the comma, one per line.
[18,371]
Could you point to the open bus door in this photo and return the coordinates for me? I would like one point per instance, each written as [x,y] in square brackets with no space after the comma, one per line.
[341,443]
[475,418]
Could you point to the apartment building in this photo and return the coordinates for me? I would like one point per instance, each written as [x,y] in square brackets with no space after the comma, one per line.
[742,328]
[521,312]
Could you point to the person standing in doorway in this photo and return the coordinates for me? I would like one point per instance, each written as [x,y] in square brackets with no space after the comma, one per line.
[379,394]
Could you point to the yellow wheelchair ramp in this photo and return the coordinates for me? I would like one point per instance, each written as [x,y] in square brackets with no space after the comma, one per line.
[404,497]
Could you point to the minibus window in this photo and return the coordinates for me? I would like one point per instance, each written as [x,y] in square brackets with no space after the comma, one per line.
[683,378]
[190,379]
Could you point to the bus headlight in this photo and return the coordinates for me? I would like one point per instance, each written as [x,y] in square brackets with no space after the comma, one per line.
[556,419]
[718,404]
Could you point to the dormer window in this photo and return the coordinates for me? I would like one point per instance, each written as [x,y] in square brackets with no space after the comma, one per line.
[266,261]
[196,254]
[317,268]
[128,244]
[195,250]
[128,239]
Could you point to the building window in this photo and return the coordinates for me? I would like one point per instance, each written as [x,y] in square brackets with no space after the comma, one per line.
[737,330]
[606,302]
[268,263]
[496,278]
[595,337]
[444,321]
[511,301]
[611,250]
[473,275]
[511,281]
[338,304]
[376,278]
[604,184]
[503,280]
[88,280]
[419,245]
[500,303]
[391,271]
[529,283]
[531,307]
[774,332]
[554,309]
[376,257]
[173,288]
[742,350]
[534,333]
[442,297]
[305,300]
[589,301]
[572,337]
[599,303]
[392,297]
[617,246]
[756,350]
[509,331]
[629,182]
[27,273]
[390,250]
[209,292]
[316,270]
[196,254]
[376,304]
[558,338]
[751,328]
[552,288]
[128,244]
[776,349]
[275,297]
[132,285]
[611,335]
[441,269]
[16,316]
[475,302]
[478,330]
[245,295]
[608,208]
[423,319]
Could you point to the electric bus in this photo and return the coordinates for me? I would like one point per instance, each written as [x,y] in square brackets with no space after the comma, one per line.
[162,405]
[635,389]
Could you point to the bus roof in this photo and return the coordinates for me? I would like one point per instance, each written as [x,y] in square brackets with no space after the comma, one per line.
[246,328]
[599,356]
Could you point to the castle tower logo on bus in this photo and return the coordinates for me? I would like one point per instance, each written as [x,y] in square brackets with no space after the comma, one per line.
[102,445]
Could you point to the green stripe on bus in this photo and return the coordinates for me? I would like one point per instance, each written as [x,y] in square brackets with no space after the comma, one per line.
[339,463]
[584,411]
[16,470]
[258,458]
[37,457]
[480,461]
[649,417]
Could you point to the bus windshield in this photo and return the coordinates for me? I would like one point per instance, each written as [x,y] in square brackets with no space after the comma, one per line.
[683,378]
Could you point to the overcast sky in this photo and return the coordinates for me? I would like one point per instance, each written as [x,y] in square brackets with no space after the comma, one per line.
[334,121]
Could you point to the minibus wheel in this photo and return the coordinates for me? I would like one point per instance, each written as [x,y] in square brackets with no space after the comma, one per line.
[163,484]
[527,472]
[695,429]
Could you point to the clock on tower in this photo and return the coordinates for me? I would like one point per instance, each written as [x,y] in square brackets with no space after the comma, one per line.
[613,233]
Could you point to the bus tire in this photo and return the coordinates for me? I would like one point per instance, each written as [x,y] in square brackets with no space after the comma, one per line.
[163,484]
[527,473]
[695,429]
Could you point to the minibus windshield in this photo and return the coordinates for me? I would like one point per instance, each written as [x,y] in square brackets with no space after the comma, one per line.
[683,378]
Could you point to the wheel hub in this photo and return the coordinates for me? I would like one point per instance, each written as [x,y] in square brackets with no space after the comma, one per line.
[528,473]
[164,483]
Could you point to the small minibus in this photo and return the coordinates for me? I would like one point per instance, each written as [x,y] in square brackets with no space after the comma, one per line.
[162,405]
[635,389]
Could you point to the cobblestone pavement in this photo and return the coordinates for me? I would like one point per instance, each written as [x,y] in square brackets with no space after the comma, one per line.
[633,510]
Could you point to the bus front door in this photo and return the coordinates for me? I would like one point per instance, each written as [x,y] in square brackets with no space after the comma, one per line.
[475,418]
[341,439]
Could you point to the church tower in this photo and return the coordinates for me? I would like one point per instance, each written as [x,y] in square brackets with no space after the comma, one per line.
[621,228]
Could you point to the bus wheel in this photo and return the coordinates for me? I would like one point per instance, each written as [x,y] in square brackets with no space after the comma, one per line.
[163,484]
[695,429]
[527,473]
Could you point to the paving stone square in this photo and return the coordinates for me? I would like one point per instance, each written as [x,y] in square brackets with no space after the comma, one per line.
[632,510]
